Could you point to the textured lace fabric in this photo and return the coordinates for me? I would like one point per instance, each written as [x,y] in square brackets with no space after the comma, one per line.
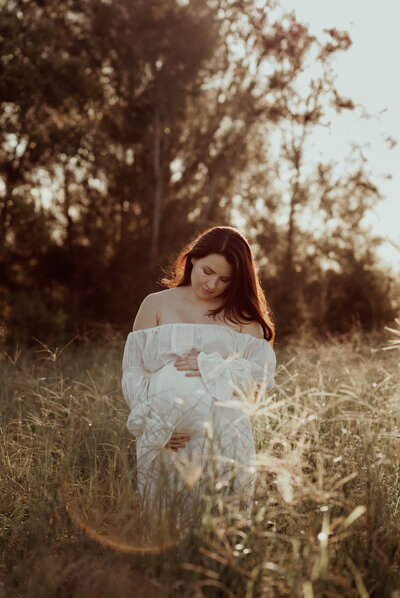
[211,408]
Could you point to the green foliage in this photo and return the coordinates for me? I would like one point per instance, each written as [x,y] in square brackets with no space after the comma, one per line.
[30,318]
[126,127]
[359,295]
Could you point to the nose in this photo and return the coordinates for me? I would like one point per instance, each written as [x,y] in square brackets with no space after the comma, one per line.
[212,283]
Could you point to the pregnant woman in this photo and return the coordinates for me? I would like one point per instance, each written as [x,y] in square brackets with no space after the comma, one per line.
[198,351]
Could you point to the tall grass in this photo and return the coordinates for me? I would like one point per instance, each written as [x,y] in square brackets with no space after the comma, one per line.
[325,520]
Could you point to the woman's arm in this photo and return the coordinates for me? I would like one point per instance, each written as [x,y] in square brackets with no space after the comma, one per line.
[225,377]
[135,383]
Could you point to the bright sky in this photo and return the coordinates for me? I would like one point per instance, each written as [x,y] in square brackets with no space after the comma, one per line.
[368,74]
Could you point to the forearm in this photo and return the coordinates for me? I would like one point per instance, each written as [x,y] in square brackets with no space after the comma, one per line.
[224,377]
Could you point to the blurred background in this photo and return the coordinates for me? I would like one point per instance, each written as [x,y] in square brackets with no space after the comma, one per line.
[127,126]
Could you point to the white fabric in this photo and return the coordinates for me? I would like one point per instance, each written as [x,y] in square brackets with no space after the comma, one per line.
[211,408]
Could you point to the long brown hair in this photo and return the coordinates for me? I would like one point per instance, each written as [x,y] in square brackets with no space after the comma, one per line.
[243,300]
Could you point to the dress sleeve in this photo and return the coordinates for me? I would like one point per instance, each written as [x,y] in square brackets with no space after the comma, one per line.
[135,383]
[223,377]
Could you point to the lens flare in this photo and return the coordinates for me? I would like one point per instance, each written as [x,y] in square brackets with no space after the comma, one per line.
[119,544]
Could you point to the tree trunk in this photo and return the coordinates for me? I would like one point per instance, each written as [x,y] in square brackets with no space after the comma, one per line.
[158,188]
[4,216]
[67,205]
[214,177]
[290,236]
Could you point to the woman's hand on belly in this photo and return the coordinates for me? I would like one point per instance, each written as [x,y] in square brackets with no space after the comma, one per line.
[177,441]
[188,363]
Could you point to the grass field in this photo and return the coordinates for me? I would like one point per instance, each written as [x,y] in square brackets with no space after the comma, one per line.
[326,521]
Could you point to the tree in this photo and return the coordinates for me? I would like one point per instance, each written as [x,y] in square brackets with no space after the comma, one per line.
[45,84]
[145,138]
[322,203]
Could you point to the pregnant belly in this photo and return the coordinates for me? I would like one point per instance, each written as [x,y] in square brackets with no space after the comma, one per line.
[180,400]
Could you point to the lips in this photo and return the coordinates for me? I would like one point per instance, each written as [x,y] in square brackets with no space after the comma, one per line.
[207,292]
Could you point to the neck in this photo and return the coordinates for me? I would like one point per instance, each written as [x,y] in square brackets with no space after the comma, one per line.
[206,304]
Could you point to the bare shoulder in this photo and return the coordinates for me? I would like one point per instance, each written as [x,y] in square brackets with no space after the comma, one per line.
[254,328]
[147,314]
[166,297]
[170,298]
[151,308]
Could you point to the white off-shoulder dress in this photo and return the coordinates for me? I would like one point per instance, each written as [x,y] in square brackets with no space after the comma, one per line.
[211,408]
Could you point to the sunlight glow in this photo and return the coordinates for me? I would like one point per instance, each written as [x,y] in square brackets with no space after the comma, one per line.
[46,198]
[364,74]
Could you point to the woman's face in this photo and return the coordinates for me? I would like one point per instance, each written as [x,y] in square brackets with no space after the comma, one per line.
[211,276]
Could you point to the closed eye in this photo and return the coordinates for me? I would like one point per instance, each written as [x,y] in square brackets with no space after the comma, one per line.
[207,271]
